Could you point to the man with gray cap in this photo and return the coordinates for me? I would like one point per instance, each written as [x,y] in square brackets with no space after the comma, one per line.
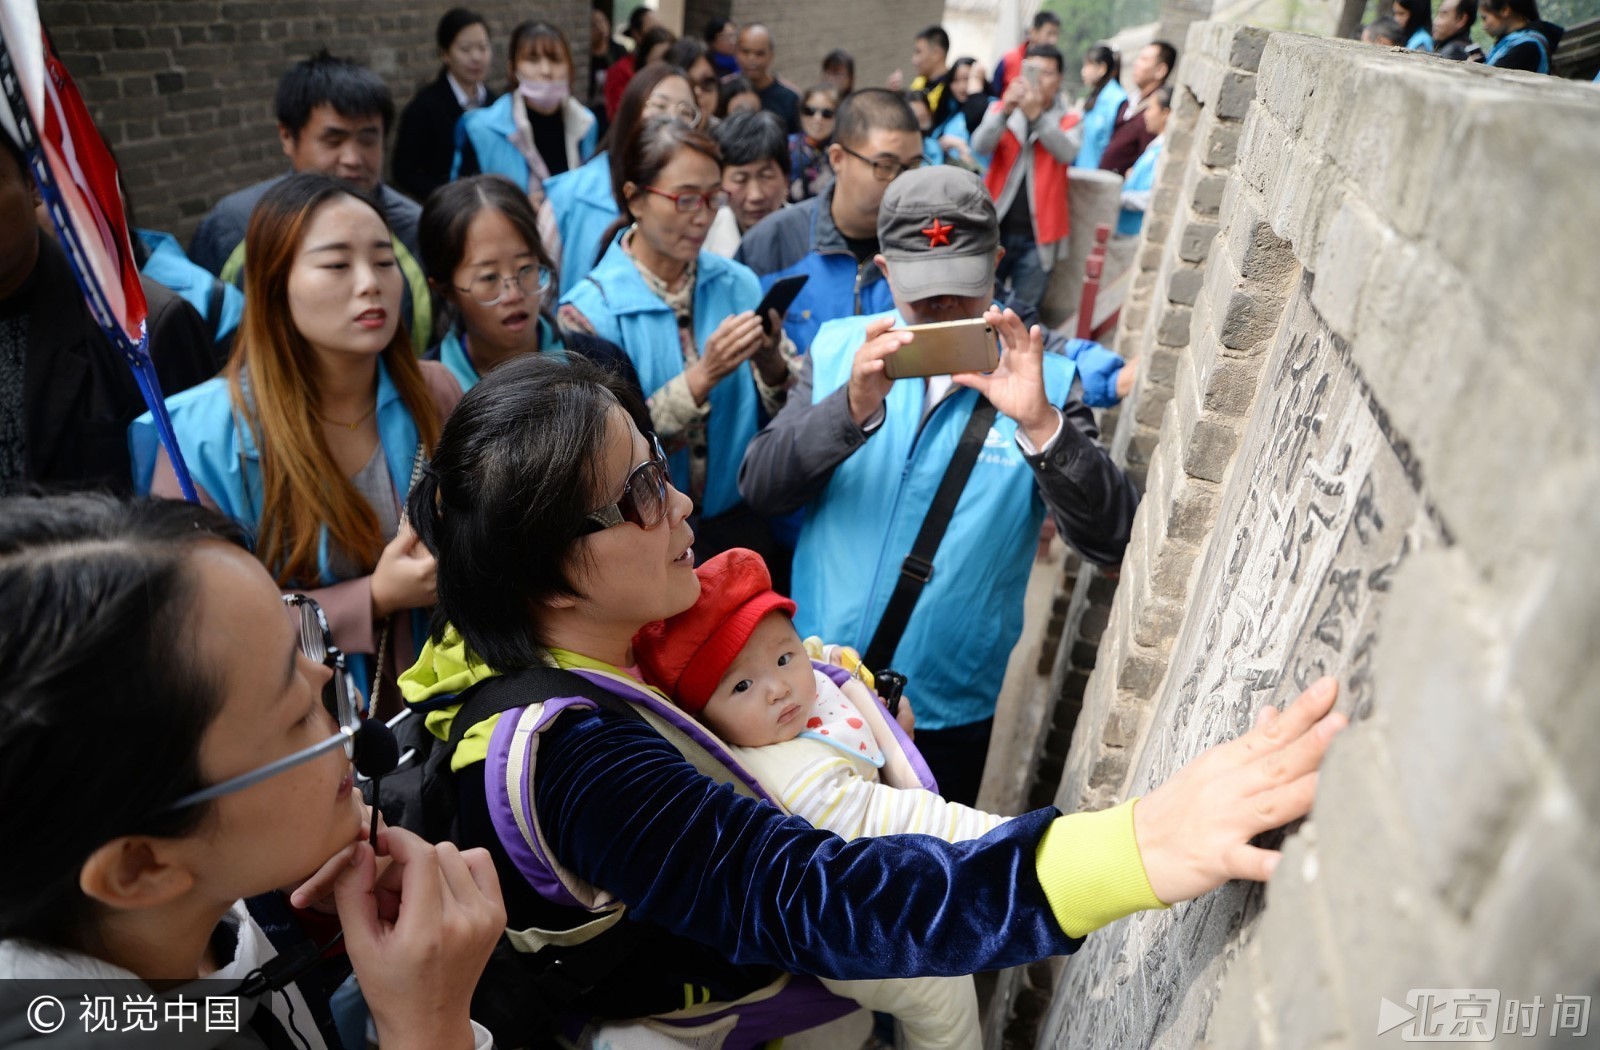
[865,456]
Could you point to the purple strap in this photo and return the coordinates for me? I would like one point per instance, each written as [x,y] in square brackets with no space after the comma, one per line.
[918,765]
[804,1003]
[529,859]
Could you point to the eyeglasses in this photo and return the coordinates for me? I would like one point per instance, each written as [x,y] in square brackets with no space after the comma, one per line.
[884,170]
[689,203]
[817,111]
[644,496]
[705,84]
[682,110]
[339,696]
[491,289]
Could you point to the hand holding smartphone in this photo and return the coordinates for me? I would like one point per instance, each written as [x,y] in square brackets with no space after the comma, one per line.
[779,297]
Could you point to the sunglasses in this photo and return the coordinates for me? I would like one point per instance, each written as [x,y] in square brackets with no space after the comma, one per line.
[816,111]
[644,497]
[339,696]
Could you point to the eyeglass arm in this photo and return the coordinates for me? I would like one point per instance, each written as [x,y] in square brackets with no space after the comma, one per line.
[271,769]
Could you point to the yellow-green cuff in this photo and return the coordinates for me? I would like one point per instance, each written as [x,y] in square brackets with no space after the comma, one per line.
[1091,871]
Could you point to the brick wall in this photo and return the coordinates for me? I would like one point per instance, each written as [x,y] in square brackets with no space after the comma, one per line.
[1374,461]
[182,89]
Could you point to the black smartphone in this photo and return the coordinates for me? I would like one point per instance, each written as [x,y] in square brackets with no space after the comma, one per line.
[779,297]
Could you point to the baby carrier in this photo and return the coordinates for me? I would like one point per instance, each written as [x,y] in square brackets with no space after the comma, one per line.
[567,957]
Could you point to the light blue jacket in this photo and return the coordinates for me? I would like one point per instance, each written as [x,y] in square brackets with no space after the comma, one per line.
[220,450]
[1421,40]
[1140,179]
[491,129]
[170,267]
[624,310]
[859,531]
[584,207]
[454,356]
[1098,123]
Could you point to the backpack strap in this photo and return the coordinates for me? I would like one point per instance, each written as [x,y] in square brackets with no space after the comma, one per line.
[501,693]
[917,569]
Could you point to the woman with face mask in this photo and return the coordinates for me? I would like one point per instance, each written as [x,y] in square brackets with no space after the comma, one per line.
[537,129]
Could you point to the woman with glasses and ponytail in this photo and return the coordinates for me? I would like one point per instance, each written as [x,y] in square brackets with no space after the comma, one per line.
[685,317]
[175,746]
[311,436]
[486,262]
[629,835]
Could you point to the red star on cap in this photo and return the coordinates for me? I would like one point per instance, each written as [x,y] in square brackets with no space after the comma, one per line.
[938,233]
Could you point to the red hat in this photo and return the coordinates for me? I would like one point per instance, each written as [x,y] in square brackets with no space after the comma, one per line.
[688,654]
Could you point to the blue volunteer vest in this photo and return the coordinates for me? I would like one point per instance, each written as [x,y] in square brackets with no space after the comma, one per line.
[220,451]
[584,208]
[1522,36]
[1141,176]
[623,309]
[857,533]
[1098,124]
[831,292]
[454,357]
[490,129]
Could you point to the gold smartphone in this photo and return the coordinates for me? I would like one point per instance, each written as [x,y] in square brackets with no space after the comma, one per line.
[945,348]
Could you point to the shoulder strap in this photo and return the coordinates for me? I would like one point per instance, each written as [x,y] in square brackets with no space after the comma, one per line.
[917,569]
[499,694]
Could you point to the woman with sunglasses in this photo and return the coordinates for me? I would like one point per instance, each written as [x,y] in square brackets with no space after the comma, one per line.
[558,539]
[580,204]
[809,171]
[310,437]
[485,261]
[685,317]
[167,763]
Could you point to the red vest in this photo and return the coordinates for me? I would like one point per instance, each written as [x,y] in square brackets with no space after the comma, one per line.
[1049,202]
[1010,66]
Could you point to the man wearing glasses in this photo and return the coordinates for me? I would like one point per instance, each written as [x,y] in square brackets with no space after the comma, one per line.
[832,238]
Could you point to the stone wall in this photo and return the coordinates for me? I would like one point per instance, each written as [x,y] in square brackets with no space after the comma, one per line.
[1377,461]
[183,90]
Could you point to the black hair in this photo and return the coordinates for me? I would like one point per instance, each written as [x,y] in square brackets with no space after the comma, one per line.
[715,27]
[1168,53]
[746,138]
[839,58]
[352,90]
[501,506]
[1528,9]
[1102,55]
[448,214]
[636,19]
[644,153]
[1162,96]
[452,22]
[1386,28]
[686,51]
[1469,10]
[1419,15]
[1049,51]
[14,151]
[1046,18]
[105,703]
[869,110]
[540,39]
[653,38]
[729,88]
[936,36]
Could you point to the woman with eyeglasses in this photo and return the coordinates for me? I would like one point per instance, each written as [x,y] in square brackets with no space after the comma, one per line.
[691,55]
[686,319]
[580,203]
[167,763]
[536,130]
[809,171]
[558,538]
[484,259]
[311,435]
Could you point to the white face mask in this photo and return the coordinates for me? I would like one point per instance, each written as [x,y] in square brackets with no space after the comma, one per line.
[544,94]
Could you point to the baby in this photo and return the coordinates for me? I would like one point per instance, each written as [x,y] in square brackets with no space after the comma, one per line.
[735,661]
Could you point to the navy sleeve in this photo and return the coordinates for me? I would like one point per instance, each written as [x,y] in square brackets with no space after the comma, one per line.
[624,810]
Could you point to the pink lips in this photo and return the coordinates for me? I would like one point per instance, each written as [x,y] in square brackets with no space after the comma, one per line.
[788,714]
[372,318]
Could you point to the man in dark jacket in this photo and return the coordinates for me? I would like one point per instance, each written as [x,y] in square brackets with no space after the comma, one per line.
[66,396]
[1452,31]
[1129,136]
[831,239]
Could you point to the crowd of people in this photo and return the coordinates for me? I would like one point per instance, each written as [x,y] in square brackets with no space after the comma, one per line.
[692,618]
[1522,39]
